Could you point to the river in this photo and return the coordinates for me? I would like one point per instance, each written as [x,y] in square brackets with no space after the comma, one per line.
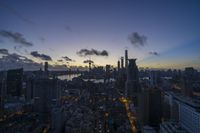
[71,76]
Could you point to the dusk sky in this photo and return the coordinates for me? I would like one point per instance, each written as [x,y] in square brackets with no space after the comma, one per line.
[168,31]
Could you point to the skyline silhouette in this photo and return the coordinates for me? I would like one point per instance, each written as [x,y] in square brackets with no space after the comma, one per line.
[159,34]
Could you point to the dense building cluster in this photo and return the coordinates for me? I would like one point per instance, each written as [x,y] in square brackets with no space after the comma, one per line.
[101,100]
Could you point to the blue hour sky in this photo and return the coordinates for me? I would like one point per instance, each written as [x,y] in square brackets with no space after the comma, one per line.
[60,28]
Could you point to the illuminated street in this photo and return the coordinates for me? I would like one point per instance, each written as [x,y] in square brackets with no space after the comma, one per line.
[130,115]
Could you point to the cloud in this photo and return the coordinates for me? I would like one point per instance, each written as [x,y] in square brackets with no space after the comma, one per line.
[15,12]
[88,61]
[86,52]
[67,58]
[4,51]
[154,53]
[16,37]
[41,56]
[137,40]
[13,61]
[60,60]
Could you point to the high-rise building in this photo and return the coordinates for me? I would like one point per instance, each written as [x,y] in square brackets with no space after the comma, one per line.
[118,66]
[46,93]
[150,107]
[122,62]
[46,66]
[155,106]
[188,79]
[121,77]
[14,82]
[132,82]
[187,111]
[126,58]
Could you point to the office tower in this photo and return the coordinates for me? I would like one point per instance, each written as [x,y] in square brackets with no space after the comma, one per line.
[122,62]
[189,116]
[132,81]
[46,93]
[155,106]
[187,110]
[170,107]
[89,66]
[121,78]
[188,79]
[126,58]
[150,107]
[46,66]
[14,82]
[118,65]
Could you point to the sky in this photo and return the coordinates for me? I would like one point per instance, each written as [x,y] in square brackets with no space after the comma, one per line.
[160,34]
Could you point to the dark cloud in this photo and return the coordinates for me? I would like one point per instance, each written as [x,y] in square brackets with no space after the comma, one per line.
[12,61]
[16,37]
[154,53]
[67,58]
[41,56]
[137,40]
[16,57]
[60,60]
[14,12]
[86,52]
[88,61]
[4,51]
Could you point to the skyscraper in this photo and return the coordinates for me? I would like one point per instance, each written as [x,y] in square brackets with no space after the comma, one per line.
[14,82]
[46,66]
[122,62]
[189,78]
[132,82]
[118,65]
[46,93]
[126,58]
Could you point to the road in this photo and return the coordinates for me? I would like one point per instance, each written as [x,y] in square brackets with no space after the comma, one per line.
[131,117]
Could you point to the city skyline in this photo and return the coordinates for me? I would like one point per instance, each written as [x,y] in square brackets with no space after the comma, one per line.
[159,34]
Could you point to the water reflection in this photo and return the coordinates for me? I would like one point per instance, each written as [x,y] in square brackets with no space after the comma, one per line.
[68,77]
[71,76]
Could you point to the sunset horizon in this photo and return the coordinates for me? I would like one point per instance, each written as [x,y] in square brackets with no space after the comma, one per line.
[162,35]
